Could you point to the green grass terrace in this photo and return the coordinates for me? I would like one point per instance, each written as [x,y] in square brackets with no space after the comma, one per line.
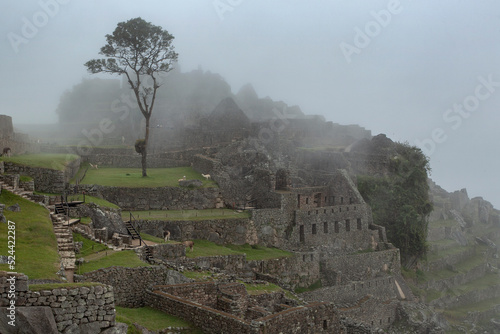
[132,177]
[35,248]
[186,215]
[50,161]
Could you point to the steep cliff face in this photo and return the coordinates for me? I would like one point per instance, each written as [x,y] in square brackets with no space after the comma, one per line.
[461,276]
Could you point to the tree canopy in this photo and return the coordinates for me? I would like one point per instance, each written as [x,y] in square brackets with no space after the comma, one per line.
[140,51]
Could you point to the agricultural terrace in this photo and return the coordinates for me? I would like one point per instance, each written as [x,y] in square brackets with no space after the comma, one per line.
[132,177]
[36,245]
[50,161]
[186,215]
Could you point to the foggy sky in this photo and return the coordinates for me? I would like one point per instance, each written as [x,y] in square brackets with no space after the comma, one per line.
[403,68]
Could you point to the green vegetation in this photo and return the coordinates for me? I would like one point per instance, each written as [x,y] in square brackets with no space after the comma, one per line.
[85,220]
[314,286]
[150,318]
[99,201]
[25,178]
[258,289]
[462,311]
[50,286]
[208,248]
[88,199]
[400,201]
[185,215]
[50,161]
[198,275]
[89,246]
[132,177]
[149,237]
[35,241]
[126,258]
[257,252]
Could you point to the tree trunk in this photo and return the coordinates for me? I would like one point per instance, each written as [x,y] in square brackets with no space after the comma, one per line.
[145,151]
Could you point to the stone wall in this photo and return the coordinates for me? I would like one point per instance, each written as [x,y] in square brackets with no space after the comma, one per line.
[373,312]
[165,198]
[229,263]
[191,302]
[300,270]
[221,231]
[168,251]
[130,284]
[19,143]
[372,302]
[351,293]
[46,180]
[128,158]
[11,179]
[308,319]
[341,269]
[88,308]
[206,318]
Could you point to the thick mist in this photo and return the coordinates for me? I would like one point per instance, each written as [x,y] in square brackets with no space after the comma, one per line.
[422,72]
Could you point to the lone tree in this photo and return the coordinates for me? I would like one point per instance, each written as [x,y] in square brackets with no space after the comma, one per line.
[140,51]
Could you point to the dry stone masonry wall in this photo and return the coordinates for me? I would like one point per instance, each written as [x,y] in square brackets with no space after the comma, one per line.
[130,284]
[91,308]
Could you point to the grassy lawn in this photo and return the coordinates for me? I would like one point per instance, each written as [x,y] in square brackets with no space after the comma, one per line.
[89,246]
[51,161]
[256,252]
[447,252]
[126,258]
[88,199]
[99,201]
[132,177]
[187,215]
[461,312]
[443,223]
[151,318]
[198,275]
[149,237]
[259,289]
[312,287]
[50,286]
[208,248]
[484,282]
[35,243]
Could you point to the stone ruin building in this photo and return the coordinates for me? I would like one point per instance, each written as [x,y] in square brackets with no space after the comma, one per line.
[19,143]
[320,217]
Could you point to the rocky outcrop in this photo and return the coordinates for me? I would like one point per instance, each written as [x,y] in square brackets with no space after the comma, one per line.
[104,218]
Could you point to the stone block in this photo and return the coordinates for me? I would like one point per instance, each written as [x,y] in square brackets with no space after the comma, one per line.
[33,320]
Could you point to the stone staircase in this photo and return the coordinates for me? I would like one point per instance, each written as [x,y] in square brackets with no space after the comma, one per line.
[61,224]
[65,244]
[16,190]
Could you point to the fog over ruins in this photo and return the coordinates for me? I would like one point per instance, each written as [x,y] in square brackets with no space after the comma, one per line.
[249,167]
